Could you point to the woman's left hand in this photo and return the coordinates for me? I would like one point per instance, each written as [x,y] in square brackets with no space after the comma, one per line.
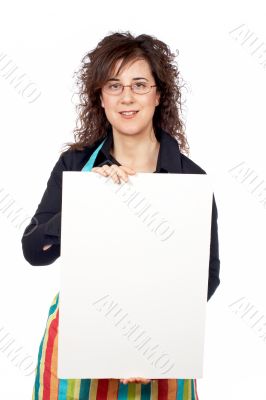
[135,380]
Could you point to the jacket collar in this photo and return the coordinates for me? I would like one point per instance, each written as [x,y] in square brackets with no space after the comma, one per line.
[169,157]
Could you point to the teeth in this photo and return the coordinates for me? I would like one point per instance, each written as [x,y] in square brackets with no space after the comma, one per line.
[129,113]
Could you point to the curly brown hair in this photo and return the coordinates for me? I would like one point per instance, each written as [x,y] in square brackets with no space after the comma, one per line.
[97,66]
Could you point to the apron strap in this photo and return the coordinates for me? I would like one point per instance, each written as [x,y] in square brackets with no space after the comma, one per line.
[89,165]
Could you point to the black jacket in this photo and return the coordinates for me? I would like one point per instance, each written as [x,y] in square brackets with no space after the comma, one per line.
[45,225]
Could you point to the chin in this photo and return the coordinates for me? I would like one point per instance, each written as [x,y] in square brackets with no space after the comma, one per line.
[129,130]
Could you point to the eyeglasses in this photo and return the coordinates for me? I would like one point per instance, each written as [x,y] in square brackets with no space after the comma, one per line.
[136,87]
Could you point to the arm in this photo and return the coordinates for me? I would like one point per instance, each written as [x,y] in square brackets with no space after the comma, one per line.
[214,267]
[45,226]
[188,167]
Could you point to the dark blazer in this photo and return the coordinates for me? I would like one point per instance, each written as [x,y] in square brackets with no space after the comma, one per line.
[45,225]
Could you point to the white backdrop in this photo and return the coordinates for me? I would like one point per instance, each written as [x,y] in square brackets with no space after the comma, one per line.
[222,57]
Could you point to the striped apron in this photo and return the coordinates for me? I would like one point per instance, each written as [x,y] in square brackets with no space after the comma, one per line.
[48,387]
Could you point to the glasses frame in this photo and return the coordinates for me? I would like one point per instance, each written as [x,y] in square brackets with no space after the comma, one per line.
[131,87]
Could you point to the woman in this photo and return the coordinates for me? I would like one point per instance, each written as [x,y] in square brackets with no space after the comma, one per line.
[130,114]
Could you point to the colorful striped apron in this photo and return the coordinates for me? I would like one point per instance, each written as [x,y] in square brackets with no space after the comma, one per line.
[48,387]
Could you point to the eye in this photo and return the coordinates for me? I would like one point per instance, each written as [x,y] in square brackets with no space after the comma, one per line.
[114,86]
[140,84]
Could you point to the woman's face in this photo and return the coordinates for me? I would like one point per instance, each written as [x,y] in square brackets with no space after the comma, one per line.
[144,104]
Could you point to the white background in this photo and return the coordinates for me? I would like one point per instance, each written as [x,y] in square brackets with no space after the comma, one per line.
[225,126]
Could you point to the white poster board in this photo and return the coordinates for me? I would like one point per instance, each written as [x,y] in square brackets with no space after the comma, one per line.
[134,275]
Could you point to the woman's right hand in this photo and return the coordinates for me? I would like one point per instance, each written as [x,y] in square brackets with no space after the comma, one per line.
[115,171]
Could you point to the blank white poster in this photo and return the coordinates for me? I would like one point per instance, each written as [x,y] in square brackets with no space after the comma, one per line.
[134,275]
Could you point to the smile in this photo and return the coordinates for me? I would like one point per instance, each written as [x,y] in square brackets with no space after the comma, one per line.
[128,114]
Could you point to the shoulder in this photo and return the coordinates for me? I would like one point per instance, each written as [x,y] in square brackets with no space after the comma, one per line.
[189,166]
[74,160]
[173,157]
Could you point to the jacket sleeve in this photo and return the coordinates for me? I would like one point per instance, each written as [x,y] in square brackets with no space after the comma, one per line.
[45,225]
[214,266]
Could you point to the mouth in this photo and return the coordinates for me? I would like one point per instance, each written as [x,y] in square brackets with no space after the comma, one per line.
[128,114]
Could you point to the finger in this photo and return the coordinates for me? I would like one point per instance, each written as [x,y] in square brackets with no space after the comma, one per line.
[118,174]
[135,380]
[104,169]
[114,175]
[110,172]
[122,171]
[143,380]
[116,171]
[129,380]
[99,170]
[139,380]
[123,167]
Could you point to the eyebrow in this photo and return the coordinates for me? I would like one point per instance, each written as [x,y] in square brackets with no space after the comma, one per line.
[134,79]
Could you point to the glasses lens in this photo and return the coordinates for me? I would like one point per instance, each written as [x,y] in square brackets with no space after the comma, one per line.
[140,87]
[113,88]
[117,88]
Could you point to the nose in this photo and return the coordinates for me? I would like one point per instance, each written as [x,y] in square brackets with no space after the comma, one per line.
[127,94]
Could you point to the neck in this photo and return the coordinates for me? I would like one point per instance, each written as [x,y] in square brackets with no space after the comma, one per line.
[138,151]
